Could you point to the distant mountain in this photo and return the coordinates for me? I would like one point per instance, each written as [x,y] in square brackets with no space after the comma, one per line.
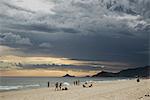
[105,74]
[141,72]
[67,75]
[87,76]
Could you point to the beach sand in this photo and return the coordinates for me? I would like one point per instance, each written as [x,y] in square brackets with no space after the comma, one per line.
[107,90]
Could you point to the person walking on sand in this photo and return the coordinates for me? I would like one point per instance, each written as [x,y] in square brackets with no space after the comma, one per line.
[48,84]
[60,85]
[56,86]
[76,82]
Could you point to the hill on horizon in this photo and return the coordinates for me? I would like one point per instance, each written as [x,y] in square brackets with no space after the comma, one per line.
[140,71]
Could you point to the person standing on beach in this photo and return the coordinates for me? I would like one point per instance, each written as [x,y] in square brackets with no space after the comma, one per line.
[78,82]
[138,79]
[74,83]
[48,84]
[60,86]
[56,86]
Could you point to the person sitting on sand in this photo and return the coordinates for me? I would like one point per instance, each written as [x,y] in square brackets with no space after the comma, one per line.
[65,88]
[56,86]
[83,85]
[91,85]
[138,79]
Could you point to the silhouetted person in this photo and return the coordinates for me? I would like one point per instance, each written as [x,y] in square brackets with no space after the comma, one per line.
[48,84]
[56,86]
[91,85]
[60,85]
[138,79]
[83,85]
[66,88]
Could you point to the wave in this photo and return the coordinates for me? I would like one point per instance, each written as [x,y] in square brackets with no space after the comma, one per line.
[3,88]
[34,85]
[7,88]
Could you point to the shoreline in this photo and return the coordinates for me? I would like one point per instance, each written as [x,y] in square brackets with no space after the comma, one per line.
[113,90]
[19,87]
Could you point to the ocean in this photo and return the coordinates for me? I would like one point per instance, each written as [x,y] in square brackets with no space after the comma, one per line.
[20,83]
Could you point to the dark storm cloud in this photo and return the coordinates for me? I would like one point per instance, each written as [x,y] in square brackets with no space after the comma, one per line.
[102,48]
[82,29]
[13,39]
[59,67]
[43,28]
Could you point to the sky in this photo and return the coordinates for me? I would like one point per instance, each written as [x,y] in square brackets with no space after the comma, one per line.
[94,33]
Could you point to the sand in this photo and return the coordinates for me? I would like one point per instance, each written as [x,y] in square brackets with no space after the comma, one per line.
[109,90]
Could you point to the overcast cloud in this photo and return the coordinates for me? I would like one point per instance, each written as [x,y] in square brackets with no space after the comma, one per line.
[96,30]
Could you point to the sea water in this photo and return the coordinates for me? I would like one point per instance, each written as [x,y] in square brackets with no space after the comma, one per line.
[20,83]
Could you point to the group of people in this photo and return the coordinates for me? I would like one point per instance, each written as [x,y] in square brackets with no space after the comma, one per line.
[76,82]
[87,85]
[58,86]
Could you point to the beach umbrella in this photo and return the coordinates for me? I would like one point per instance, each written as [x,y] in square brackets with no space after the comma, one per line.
[66,84]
